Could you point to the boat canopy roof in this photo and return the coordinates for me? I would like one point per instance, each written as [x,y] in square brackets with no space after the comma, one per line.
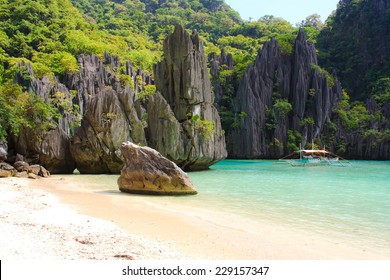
[313,151]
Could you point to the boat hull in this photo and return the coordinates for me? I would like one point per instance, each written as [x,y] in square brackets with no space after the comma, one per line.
[316,162]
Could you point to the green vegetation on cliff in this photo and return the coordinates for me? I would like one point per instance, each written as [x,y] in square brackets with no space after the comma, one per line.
[355,44]
[50,35]
[21,110]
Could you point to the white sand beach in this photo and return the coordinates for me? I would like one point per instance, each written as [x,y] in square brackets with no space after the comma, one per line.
[35,225]
[58,218]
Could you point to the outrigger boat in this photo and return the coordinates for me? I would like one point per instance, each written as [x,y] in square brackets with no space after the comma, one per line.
[315,158]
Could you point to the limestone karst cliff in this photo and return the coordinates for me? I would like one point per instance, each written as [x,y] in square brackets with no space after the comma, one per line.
[109,115]
[183,111]
[283,100]
[48,148]
[107,111]
[282,94]
[224,60]
[181,124]
[286,100]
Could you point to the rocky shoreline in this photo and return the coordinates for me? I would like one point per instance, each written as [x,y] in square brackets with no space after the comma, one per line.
[22,169]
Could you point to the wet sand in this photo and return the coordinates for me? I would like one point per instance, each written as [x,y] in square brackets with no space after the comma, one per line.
[182,232]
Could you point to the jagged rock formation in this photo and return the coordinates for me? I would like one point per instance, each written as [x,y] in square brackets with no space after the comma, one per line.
[287,100]
[107,109]
[282,92]
[96,144]
[183,112]
[113,115]
[283,100]
[146,171]
[109,115]
[50,149]
[225,60]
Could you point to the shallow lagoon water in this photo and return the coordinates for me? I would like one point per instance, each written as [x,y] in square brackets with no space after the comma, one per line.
[348,202]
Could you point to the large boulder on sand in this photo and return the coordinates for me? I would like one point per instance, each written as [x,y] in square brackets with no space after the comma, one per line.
[146,171]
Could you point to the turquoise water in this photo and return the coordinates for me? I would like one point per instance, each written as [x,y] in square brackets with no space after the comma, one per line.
[348,202]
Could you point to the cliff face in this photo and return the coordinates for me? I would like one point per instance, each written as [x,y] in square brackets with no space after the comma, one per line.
[278,94]
[184,114]
[50,149]
[282,101]
[225,60]
[287,100]
[109,115]
[180,122]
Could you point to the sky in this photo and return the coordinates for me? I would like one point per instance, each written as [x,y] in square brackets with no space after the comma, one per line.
[293,11]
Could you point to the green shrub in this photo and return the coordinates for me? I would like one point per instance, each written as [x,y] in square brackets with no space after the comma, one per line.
[307,121]
[286,43]
[20,109]
[320,70]
[146,92]
[283,107]
[206,129]
[294,138]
